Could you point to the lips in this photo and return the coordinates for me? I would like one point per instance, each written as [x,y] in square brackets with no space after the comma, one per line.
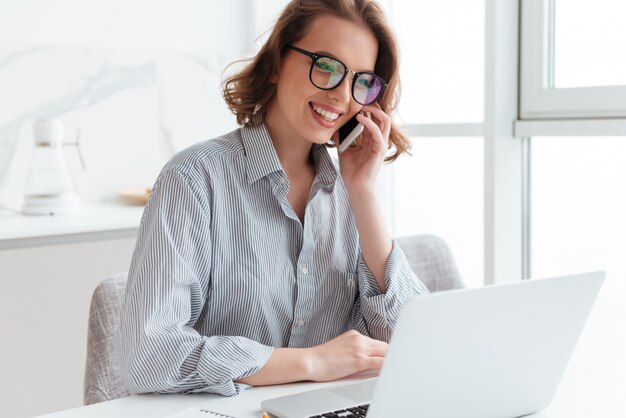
[325,116]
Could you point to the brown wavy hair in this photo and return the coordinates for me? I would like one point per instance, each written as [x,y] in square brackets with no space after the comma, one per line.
[250,91]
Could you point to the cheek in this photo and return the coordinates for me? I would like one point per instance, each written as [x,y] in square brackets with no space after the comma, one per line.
[290,89]
[296,85]
[355,107]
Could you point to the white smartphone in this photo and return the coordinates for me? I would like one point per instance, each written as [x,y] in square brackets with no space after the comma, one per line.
[348,133]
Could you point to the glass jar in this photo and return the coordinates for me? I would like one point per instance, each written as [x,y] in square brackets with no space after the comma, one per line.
[50,187]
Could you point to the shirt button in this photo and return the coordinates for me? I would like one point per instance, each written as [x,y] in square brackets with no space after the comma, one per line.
[300,322]
[304,270]
[350,282]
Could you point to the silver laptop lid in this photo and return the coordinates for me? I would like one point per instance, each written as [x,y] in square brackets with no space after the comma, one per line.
[495,351]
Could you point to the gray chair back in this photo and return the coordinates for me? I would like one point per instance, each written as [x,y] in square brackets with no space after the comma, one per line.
[102,379]
[429,257]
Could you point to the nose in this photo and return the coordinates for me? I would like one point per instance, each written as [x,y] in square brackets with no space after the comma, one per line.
[342,93]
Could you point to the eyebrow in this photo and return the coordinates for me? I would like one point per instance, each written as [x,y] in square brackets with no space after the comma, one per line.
[330,54]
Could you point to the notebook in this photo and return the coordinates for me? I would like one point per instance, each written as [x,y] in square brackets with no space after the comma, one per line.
[193,412]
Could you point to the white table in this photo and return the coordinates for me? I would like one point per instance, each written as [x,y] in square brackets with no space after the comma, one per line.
[247,405]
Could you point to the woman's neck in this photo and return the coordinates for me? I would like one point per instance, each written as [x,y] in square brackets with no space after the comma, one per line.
[293,151]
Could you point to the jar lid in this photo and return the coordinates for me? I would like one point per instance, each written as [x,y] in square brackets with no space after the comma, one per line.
[48,132]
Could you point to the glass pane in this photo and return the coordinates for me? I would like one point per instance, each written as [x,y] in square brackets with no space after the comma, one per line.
[439,190]
[442,54]
[590,43]
[579,224]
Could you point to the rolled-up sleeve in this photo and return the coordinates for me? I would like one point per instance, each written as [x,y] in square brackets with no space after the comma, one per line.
[375,313]
[158,348]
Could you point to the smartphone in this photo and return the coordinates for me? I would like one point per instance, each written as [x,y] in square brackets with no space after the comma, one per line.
[348,133]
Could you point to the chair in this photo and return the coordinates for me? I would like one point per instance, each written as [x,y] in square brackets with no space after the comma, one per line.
[429,257]
[102,380]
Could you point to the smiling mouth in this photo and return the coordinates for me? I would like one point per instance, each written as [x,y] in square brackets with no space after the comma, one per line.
[325,114]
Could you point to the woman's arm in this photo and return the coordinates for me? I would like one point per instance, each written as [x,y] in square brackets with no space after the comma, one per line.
[360,167]
[374,238]
[158,348]
[386,280]
[342,356]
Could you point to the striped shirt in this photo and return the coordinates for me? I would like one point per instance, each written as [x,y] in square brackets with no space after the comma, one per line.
[224,271]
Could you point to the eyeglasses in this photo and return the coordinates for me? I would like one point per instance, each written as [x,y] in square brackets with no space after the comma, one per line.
[327,73]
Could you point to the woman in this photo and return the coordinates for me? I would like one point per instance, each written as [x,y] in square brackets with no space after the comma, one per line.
[258,260]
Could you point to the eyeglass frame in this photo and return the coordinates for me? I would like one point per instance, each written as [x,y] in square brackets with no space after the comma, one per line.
[316,57]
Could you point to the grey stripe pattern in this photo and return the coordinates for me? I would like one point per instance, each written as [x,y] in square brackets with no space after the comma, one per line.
[224,271]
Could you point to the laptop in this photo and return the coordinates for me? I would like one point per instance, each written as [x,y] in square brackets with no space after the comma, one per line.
[494,351]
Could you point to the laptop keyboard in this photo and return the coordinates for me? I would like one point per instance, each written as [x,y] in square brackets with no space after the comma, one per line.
[355,412]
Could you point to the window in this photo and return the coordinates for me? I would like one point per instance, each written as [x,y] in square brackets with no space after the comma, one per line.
[573,109]
[578,205]
[568,72]
[579,224]
[442,52]
[594,56]
[439,190]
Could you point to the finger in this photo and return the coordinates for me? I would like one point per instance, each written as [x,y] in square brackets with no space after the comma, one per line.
[378,349]
[376,110]
[381,117]
[374,363]
[368,123]
[373,129]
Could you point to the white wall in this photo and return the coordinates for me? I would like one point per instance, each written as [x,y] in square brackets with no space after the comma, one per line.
[140,80]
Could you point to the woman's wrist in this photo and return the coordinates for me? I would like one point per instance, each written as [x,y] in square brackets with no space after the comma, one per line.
[361,195]
[285,365]
[307,363]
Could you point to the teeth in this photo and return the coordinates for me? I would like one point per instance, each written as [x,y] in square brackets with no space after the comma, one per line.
[326,115]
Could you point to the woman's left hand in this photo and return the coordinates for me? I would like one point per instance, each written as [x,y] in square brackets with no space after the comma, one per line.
[361,162]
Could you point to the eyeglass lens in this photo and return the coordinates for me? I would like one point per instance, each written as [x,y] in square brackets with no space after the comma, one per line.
[328,73]
[366,88]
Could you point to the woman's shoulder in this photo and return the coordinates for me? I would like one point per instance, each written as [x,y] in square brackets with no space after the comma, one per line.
[203,154]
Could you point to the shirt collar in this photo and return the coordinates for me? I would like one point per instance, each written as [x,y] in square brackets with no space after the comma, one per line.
[324,165]
[261,157]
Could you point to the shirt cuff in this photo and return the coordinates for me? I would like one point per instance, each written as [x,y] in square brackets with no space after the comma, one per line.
[227,359]
[381,310]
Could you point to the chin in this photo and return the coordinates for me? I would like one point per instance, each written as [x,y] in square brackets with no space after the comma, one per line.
[315,133]
[320,139]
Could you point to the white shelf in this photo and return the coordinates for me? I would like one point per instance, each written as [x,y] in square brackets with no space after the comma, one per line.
[93,222]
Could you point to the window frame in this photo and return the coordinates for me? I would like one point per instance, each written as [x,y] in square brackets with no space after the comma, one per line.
[539,99]
[506,185]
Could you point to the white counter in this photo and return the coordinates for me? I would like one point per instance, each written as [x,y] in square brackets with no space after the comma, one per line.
[92,222]
[49,267]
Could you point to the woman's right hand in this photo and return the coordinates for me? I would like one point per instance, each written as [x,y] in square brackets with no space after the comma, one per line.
[349,353]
